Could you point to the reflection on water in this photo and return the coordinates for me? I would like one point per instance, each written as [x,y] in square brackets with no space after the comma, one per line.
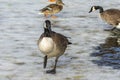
[109,51]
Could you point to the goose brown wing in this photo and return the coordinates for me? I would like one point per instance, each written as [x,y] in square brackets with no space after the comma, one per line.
[49,7]
[113,13]
[60,40]
[111,16]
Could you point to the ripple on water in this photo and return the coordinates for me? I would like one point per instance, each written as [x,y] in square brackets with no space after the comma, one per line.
[21,27]
[109,53]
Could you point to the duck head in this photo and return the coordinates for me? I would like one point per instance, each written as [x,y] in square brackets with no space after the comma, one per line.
[94,8]
[59,2]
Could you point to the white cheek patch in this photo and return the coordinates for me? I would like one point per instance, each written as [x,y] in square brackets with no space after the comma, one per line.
[118,26]
[93,9]
[44,25]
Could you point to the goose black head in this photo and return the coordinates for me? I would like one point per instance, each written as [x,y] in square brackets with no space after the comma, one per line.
[47,28]
[94,8]
[47,25]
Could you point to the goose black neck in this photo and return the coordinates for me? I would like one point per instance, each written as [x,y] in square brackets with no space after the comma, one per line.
[47,33]
[100,9]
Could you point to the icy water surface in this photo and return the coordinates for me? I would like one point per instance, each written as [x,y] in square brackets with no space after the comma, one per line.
[21,26]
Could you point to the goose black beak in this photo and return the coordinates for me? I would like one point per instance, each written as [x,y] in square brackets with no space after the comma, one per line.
[90,11]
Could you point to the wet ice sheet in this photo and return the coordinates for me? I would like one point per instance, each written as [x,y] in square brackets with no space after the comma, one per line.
[21,27]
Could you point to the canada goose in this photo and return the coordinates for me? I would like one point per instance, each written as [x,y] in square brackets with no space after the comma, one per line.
[52,9]
[52,44]
[111,16]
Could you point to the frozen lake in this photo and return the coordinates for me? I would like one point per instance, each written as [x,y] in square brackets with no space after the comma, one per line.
[21,26]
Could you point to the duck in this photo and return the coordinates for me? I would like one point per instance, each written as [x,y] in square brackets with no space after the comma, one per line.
[111,16]
[52,9]
[52,44]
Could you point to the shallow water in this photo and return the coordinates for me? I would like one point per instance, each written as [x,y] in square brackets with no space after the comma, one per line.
[21,26]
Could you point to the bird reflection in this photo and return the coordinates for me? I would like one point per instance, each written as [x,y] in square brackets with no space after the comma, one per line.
[109,51]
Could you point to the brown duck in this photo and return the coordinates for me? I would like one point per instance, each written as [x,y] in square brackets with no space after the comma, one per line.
[52,9]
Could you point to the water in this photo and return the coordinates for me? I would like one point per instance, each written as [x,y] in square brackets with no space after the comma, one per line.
[21,26]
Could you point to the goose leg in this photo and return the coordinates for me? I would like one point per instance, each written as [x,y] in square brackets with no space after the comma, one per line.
[53,71]
[45,61]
